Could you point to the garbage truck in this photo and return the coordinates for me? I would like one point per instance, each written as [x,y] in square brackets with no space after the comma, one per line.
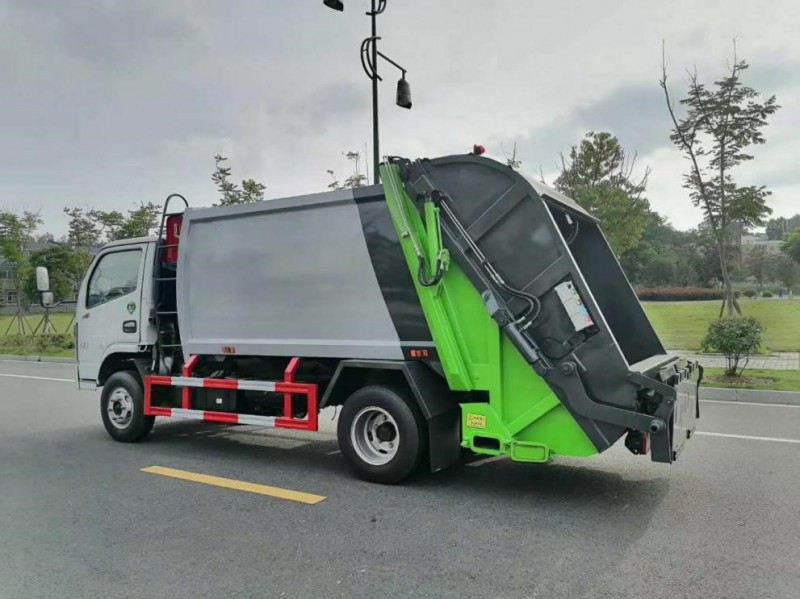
[458,307]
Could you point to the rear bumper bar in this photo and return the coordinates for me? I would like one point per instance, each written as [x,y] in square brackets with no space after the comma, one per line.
[686,410]
[678,384]
[672,382]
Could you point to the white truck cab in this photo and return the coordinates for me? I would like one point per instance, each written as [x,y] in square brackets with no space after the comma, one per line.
[113,310]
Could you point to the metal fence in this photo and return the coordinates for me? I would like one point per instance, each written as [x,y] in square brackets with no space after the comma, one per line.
[36,321]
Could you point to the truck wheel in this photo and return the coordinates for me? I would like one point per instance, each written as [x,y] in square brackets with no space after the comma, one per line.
[381,434]
[122,408]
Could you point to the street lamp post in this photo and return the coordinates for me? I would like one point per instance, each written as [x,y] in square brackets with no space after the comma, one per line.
[369,61]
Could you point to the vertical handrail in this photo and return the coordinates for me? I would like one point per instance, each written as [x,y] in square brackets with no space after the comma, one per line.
[157,271]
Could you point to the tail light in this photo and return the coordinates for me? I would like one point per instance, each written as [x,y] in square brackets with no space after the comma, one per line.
[173,238]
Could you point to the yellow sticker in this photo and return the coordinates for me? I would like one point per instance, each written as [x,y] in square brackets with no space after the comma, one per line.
[476,421]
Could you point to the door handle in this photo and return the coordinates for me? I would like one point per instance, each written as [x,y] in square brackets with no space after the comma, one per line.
[129,326]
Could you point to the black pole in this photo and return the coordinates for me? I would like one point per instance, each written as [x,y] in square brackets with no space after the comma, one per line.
[376,152]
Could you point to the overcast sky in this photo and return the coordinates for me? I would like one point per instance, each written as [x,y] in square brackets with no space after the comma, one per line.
[107,103]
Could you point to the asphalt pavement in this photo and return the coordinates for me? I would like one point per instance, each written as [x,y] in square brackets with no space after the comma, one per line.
[79,517]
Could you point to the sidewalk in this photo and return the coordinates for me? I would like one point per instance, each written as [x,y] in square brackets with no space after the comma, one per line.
[776,361]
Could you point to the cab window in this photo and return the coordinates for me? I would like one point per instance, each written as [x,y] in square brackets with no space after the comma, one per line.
[116,275]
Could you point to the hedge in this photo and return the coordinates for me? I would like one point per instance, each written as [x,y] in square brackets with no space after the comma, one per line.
[680,294]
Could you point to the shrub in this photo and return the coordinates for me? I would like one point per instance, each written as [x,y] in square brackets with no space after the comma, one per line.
[39,344]
[766,294]
[736,338]
[680,294]
[749,292]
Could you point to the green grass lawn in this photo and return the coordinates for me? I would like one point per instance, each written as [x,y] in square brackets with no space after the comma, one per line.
[765,380]
[60,321]
[14,350]
[682,325]
[27,345]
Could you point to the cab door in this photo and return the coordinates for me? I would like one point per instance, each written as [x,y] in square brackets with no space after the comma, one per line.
[110,307]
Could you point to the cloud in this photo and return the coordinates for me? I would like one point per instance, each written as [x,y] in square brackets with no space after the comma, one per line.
[112,102]
[634,113]
[110,34]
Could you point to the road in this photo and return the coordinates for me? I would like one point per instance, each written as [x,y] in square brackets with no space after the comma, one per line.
[79,518]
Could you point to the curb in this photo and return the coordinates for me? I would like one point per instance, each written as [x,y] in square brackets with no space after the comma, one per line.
[48,359]
[789,398]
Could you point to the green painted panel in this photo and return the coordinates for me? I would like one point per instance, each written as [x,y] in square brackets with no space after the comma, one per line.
[523,418]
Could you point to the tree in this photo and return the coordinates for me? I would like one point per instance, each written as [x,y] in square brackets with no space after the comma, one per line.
[736,338]
[664,256]
[90,227]
[110,223]
[83,230]
[777,228]
[786,270]
[719,125]
[66,266]
[598,174]
[356,179]
[16,234]
[230,192]
[140,222]
[512,161]
[12,239]
[791,245]
[758,261]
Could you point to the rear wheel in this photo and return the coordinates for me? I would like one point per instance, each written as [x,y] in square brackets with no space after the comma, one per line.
[122,407]
[381,434]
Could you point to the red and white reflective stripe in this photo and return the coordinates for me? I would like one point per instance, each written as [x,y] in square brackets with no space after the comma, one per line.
[184,381]
[288,387]
[225,417]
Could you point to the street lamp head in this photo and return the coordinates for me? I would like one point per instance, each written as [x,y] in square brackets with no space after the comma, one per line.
[403,93]
[334,4]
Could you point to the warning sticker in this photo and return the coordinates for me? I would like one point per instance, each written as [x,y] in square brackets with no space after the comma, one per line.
[476,421]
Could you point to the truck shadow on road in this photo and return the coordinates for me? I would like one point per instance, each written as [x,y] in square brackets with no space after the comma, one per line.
[584,514]
[598,482]
[569,516]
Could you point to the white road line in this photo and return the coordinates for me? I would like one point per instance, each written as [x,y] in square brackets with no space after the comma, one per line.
[39,378]
[749,403]
[333,452]
[488,460]
[748,437]
[500,457]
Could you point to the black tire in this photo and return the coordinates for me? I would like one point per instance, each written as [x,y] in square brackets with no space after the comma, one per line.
[405,422]
[124,391]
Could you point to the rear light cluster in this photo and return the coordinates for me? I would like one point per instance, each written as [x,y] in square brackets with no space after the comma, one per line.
[173,238]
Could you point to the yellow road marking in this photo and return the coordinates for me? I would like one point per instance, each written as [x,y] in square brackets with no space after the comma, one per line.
[238,485]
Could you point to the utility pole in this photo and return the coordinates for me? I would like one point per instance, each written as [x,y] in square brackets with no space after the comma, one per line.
[369,62]
[376,152]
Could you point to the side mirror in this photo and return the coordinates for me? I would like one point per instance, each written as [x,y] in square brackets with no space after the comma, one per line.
[42,279]
[47,299]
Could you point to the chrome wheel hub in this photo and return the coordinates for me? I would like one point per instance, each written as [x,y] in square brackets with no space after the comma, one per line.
[375,436]
[120,408]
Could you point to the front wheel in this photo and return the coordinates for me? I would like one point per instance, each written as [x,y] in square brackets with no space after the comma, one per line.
[381,434]
[122,408]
